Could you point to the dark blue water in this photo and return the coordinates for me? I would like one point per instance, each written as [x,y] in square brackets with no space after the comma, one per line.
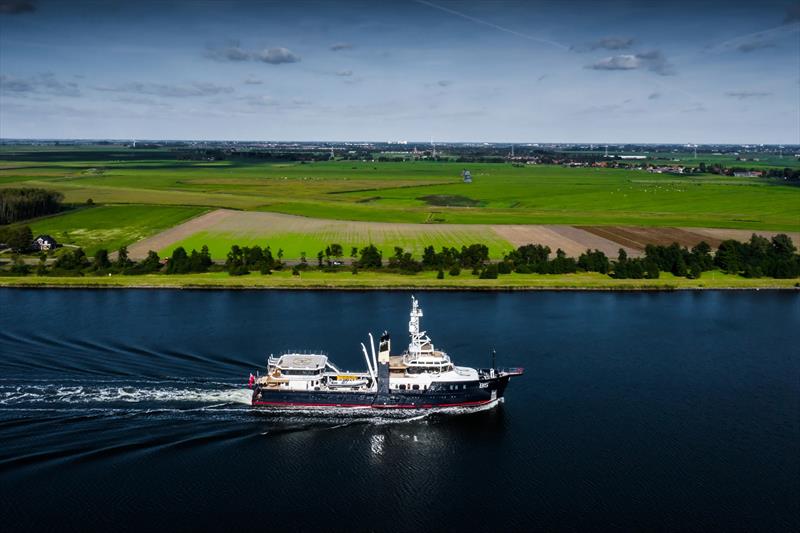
[647,411]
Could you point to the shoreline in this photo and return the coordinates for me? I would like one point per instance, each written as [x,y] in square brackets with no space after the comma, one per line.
[372,281]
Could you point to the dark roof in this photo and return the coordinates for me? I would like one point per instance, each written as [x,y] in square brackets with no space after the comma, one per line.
[47,238]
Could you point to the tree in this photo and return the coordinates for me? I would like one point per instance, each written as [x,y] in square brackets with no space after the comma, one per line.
[403,261]
[198,261]
[18,238]
[320,255]
[562,264]
[729,256]
[122,258]
[179,262]
[440,274]
[695,271]
[782,246]
[429,259]
[336,250]
[149,264]
[235,263]
[101,261]
[72,261]
[370,257]
[474,255]
[530,257]
[353,252]
[455,270]
[594,261]
[701,254]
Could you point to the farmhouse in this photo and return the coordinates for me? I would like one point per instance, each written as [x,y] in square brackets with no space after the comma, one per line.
[44,243]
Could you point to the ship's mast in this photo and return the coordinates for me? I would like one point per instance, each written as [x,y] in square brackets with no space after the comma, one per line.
[418,338]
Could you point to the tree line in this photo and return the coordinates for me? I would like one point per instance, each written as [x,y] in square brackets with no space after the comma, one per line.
[758,257]
[24,203]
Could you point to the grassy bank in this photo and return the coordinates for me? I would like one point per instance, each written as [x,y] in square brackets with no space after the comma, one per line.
[382,280]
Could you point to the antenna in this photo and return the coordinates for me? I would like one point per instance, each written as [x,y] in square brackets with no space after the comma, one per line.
[606,151]
[433,148]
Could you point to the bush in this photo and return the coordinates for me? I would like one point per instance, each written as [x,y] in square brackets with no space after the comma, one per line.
[18,238]
[440,274]
[490,272]
[19,268]
[504,267]
[455,270]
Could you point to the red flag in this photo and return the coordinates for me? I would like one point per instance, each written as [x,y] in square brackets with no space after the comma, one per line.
[252,381]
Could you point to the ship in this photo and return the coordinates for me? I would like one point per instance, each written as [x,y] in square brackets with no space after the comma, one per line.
[422,377]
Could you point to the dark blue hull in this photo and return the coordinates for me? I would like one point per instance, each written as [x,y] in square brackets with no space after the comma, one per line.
[439,395]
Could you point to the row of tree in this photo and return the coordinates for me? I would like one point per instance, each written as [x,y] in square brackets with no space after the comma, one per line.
[24,203]
[776,257]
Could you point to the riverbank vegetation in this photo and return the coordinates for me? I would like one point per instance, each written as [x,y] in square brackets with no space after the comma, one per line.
[759,258]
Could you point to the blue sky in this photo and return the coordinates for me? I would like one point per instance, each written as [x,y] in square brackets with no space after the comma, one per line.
[569,71]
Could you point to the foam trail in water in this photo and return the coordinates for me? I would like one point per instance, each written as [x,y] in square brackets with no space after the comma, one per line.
[83,394]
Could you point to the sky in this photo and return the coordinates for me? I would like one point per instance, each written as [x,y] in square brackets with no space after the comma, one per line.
[448,70]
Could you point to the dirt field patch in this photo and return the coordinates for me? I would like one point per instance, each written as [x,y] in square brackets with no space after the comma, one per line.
[740,234]
[297,235]
[573,241]
[139,250]
[637,237]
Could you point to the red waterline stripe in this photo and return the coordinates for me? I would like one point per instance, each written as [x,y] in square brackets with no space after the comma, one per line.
[398,406]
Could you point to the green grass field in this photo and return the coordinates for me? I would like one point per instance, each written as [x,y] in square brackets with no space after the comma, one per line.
[396,192]
[140,193]
[111,226]
[312,241]
[382,280]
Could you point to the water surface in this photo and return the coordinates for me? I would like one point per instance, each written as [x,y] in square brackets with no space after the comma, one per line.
[127,409]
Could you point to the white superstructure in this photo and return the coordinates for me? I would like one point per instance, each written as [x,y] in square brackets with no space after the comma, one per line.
[417,368]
